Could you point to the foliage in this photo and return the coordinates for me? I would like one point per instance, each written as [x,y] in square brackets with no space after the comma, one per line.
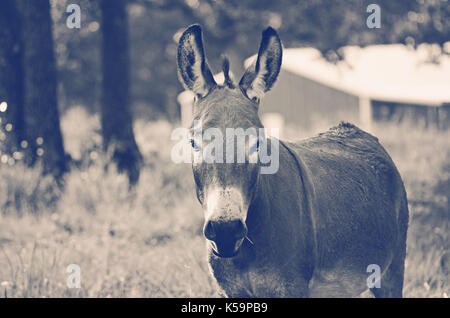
[232,27]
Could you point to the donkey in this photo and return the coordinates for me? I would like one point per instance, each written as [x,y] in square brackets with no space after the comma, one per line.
[335,208]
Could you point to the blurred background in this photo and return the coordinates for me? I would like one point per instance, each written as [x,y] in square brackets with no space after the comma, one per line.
[86,116]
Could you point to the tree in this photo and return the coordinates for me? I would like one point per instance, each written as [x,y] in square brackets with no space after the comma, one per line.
[232,27]
[117,128]
[11,79]
[41,117]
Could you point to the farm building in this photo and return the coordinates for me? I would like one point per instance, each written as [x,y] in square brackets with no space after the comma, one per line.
[375,83]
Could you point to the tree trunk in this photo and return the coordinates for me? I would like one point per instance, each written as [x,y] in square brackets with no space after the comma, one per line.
[41,116]
[11,82]
[117,128]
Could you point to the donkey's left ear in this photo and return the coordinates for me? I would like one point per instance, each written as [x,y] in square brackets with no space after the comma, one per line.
[260,76]
[193,70]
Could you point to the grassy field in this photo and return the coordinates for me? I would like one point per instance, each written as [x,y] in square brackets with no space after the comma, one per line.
[147,242]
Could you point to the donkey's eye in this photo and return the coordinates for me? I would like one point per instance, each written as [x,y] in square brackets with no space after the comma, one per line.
[255,99]
[194,145]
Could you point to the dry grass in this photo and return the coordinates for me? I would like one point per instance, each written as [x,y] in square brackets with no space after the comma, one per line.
[147,243]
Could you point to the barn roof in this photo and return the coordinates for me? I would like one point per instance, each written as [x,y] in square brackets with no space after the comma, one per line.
[393,72]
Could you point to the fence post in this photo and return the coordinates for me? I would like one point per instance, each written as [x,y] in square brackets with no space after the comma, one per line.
[186,101]
[365,113]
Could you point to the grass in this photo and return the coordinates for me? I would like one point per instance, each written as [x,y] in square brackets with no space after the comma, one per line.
[147,242]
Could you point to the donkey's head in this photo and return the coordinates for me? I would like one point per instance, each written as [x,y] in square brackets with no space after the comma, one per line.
[226,185]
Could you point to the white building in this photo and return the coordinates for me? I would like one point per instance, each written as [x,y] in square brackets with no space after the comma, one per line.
[376,83]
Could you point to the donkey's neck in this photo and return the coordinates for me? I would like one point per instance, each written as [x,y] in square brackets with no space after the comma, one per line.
[281,211]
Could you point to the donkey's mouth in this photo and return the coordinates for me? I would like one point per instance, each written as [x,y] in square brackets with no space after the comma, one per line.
[226,251]
[225,255]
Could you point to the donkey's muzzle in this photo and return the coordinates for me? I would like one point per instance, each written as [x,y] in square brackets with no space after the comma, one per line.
[226,235]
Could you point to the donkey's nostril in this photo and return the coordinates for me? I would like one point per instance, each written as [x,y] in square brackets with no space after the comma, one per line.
[209,231]
[240,230]
[225,230]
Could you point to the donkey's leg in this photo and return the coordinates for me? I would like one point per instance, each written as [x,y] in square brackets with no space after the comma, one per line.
[392,280]
[391,284]
[338,282]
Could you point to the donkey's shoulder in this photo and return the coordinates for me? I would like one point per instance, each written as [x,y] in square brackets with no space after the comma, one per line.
[344,144]
[346,131]
[344,138]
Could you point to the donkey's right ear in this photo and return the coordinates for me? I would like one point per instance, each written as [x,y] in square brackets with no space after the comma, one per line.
[261,75]
[193,69]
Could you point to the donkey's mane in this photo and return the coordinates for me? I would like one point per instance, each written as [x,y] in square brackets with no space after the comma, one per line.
[226,72]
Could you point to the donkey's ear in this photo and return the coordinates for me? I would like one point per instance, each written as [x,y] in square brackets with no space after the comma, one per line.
[260,76]
[193,70]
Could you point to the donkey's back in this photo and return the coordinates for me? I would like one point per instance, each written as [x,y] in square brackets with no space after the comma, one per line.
[360,212]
